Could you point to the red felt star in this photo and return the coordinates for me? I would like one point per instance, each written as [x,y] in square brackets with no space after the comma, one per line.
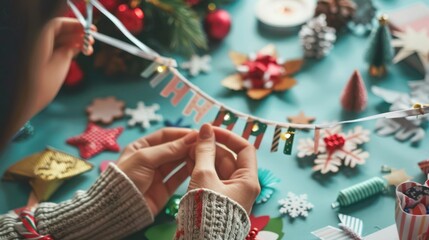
[95,140]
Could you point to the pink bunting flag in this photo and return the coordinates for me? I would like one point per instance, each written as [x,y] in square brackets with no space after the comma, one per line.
[177,88]
[200,109]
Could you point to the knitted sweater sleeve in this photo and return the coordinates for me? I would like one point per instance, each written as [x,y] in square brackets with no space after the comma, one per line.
[111,209]
[204,214]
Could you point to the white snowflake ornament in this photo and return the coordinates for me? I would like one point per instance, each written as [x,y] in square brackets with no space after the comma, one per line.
[197,64]
[335,149]
[294,205]
[143,115]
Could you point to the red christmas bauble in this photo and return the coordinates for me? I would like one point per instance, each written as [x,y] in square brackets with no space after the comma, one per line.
[74,76]
[132,18]
[192,2]
[110,4]
[217,24]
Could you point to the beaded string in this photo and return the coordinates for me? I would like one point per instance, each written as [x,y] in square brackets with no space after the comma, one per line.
[359,192]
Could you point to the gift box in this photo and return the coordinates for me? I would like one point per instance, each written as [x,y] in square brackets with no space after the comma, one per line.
[411,214]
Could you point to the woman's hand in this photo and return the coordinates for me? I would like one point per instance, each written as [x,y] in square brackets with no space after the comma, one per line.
[149,160]
[58,43]
[238,179]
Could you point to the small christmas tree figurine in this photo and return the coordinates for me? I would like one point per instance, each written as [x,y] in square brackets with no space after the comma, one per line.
[354,97]
[380,50]
[317,38]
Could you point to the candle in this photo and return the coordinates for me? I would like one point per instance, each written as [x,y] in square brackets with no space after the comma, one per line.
[283,14]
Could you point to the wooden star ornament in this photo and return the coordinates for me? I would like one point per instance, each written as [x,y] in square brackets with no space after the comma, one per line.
[397,177]
[95,140]
[105,110]
[46,171]
[301,118]
[262,73]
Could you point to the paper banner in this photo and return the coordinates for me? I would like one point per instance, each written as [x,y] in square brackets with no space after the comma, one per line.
[289,137]
[256,129]
[149,70]
[226,118]
[160,74]
[276,139]
[173,87]
[200,109]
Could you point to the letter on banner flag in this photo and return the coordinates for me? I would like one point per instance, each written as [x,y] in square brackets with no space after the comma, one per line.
[200,109]
[149,70]
[254,128]
[276,139]
[225,117]
[173,88]
[161,72]
[288,137]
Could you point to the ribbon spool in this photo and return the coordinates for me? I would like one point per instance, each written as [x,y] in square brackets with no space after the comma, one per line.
[359,192]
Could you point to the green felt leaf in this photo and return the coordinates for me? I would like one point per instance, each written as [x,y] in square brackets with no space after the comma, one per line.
[161,231]
[275,225]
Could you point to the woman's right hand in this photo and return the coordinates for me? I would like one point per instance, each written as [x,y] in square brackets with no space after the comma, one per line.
[238,179]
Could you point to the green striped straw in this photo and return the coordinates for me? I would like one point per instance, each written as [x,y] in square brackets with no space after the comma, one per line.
[359,192]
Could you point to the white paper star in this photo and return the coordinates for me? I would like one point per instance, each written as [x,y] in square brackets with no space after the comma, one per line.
[197,64]
[410,42]
[143,114]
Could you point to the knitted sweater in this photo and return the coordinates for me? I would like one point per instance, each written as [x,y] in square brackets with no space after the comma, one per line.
[114,208]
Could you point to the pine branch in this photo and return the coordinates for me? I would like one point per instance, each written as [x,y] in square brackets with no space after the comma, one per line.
[180,23]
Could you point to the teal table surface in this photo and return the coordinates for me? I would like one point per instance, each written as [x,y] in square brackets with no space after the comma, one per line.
[319,85]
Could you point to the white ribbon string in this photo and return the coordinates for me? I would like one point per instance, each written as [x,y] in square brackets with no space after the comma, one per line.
[145,52]
[141,50]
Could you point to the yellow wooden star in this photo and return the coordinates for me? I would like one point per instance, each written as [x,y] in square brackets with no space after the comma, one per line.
[46,171]
[397,177]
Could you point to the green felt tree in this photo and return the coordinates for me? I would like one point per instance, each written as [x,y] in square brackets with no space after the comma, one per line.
[380,50]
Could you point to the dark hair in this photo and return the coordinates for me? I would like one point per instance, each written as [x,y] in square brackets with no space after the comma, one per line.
[21,22]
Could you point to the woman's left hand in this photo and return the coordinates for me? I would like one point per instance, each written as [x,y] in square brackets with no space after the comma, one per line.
[149,160]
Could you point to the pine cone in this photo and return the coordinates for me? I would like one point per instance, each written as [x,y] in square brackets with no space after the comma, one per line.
[317,38]
[338,12]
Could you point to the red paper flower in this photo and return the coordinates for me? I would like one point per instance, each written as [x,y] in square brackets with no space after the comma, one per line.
[95,140]
[335,148]
[263,74]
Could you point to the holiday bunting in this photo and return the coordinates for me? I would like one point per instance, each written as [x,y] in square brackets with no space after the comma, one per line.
[201,103]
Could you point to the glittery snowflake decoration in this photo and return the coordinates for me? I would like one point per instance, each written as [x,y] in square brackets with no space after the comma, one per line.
[267,180]
[294,205]
[197,64]
[143,115]
[404,129]
[335,148]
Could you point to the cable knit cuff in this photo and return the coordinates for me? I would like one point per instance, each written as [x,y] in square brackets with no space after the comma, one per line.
[204,214]
[112,208]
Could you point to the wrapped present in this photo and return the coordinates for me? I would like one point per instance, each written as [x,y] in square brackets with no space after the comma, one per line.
[411,215]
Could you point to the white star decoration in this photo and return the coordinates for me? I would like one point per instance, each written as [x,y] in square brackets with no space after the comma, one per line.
[143,114]
[410,42]
[197,64]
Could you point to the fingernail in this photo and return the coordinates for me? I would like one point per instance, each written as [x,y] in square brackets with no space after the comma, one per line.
[206,131]
[190,138]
